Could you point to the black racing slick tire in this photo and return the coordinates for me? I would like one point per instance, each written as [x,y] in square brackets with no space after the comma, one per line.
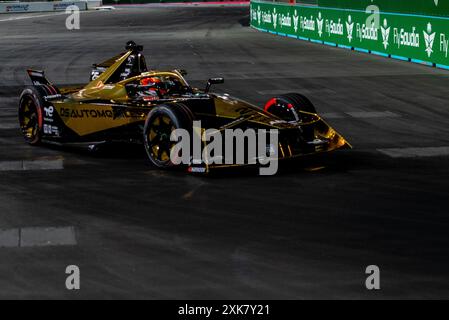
[159,125]
[31,108]
[289,106]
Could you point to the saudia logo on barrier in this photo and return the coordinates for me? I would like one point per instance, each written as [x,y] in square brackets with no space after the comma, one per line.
[319,22]
[429,37]
[385,34]
[444,44]
[349,28]
[408,36]
[307,23]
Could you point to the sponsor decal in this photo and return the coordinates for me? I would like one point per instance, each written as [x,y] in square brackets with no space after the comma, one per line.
[444,44]
[334,27]
[406,38]
[86,113]
[51,130]
[285,20]
[307,24]
[17,8]
[48,113]
[55,96]
[197,169]
[367,33]
[266,17]
[62,6]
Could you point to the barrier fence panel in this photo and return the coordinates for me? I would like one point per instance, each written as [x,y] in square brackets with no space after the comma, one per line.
[418,38]
[424,7]
[22,7]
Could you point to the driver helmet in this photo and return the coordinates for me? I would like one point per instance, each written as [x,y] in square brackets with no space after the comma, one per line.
[154,84]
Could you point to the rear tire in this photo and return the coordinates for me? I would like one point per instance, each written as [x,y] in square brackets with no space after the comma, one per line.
[31,107]
[289,106]
[160,123]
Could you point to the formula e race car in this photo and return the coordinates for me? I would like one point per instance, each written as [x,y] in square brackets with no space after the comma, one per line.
[127,102]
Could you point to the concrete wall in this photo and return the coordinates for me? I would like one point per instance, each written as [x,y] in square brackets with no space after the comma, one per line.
[39,6]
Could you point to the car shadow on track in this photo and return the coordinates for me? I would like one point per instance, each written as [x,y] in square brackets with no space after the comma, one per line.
[135,155]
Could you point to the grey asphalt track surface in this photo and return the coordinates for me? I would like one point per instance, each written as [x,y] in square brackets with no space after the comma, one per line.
[308,232]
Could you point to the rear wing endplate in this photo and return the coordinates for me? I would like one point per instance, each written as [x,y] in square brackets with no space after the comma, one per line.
[38,77]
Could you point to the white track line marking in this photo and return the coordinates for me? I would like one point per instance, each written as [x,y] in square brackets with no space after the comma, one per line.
[32,165]
[359,115]
[332,115]
[9,238]
[30,16]
[6,126]
[415,152]
[283,91]
[37,237]
[373,114]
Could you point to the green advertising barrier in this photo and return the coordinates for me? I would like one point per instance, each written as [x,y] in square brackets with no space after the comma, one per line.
[424,7]
[418,39]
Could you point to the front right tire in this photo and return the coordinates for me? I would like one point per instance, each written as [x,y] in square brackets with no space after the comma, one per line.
[289,106]
[160,123]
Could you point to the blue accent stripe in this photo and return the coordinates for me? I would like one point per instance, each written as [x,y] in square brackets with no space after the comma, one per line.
[399,58]
[422,62]
[377,53]
[442,66]
[361,50]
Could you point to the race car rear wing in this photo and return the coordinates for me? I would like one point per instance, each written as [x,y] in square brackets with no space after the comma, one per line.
[38,77]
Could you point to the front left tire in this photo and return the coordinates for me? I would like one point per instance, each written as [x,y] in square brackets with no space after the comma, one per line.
[160,123]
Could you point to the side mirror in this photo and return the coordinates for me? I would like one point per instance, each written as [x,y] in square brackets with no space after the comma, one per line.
[212,81]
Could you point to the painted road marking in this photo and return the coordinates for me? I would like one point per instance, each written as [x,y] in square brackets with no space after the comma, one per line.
[37,237]
[373,114]
[415,152]
[283,91]
[29,165]
[359,115]
[29,16]
[32,16]
[332,115]
[7,126]
[9,238]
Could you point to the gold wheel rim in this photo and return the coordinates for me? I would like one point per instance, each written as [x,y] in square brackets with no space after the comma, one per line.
[159,142]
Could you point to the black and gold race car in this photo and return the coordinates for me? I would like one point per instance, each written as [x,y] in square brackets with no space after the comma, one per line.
[127,102]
